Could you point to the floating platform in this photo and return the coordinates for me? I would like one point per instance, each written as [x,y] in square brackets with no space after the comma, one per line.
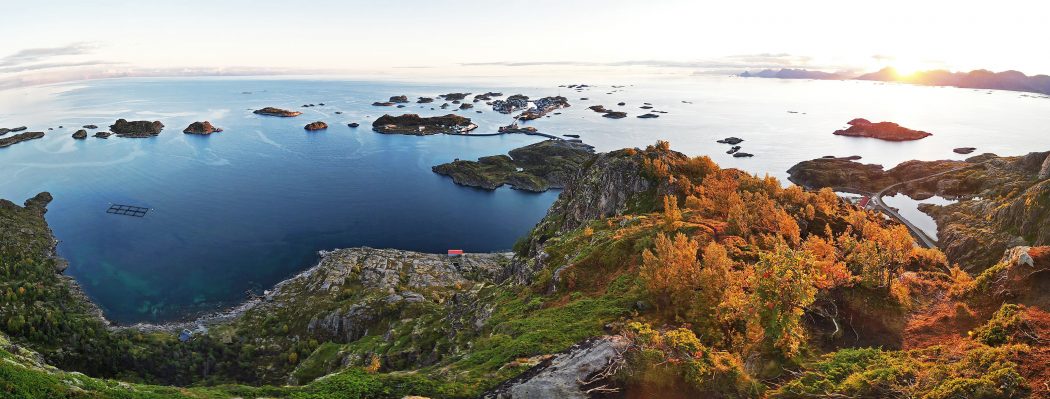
[127,210]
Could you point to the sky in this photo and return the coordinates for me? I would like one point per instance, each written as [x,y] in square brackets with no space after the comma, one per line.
[66,39]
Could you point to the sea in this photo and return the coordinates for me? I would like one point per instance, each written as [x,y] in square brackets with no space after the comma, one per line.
[240,210]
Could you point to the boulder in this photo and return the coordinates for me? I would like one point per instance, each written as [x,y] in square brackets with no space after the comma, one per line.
[80,134]
[382,104]
[648,116]
[731,140]
[424,100]
[102,135]
[615,115]
[92,127]
[316,126]
[399,99]
[353,124]
[203,128]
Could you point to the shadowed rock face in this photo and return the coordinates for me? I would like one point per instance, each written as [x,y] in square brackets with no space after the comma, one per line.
[271,111]
[1044,171]
[413,124]
[889,131]
[18,138]
[136,129]
[201,128]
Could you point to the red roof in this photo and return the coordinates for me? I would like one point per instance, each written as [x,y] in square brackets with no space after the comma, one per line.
[455,252]
[864,202]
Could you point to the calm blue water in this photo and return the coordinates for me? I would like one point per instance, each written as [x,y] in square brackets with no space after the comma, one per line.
[250,206]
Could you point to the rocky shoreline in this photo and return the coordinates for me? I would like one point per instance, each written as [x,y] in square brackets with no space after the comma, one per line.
[331,262]
[536,167]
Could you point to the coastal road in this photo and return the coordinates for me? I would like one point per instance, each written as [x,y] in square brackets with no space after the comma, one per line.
[924,239]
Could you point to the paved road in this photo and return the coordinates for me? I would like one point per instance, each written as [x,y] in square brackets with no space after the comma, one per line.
[924,239]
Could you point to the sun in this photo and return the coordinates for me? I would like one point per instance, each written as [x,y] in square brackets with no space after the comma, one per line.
[907,68]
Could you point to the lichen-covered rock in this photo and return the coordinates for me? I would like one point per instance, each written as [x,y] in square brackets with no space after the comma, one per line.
[566,374]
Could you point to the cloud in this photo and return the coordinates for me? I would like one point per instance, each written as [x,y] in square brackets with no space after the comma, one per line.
[35,55]
[741,61]
[51,65]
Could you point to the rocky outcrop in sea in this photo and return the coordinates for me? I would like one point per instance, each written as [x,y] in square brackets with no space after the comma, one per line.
[136,129]
[889,131]
[18,138]
[272,111]
[201,128]
[413,124]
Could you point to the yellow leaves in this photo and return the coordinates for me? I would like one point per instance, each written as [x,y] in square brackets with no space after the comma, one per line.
[671,273]
[671,212]
[588,232]
[373,364]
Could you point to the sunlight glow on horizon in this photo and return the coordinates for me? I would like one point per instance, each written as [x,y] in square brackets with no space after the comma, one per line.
[420,37]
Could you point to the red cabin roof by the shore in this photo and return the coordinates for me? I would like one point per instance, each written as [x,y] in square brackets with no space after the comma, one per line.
[455,252]
[864,202]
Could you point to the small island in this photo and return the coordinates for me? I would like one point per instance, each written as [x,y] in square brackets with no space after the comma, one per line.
[201,128]
[536,167]
[18,138]
[413,124]
[136,129]
[315,126]
[888,131]
[271,111]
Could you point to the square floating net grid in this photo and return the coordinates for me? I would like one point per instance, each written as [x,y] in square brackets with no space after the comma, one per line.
[127,210]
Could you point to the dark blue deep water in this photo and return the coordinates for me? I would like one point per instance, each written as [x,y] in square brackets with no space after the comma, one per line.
[248,207]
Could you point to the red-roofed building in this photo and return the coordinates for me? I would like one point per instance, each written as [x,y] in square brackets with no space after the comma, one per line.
[455,252]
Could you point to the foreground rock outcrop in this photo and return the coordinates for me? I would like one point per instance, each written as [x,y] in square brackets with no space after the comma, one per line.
[413,124]
[888,131]
[136,129]
[565,375]
[536,167]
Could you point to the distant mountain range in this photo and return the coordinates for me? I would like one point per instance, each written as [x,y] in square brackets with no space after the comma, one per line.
[978,79]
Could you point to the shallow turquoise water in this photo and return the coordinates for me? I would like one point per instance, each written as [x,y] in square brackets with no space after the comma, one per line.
[250,206]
